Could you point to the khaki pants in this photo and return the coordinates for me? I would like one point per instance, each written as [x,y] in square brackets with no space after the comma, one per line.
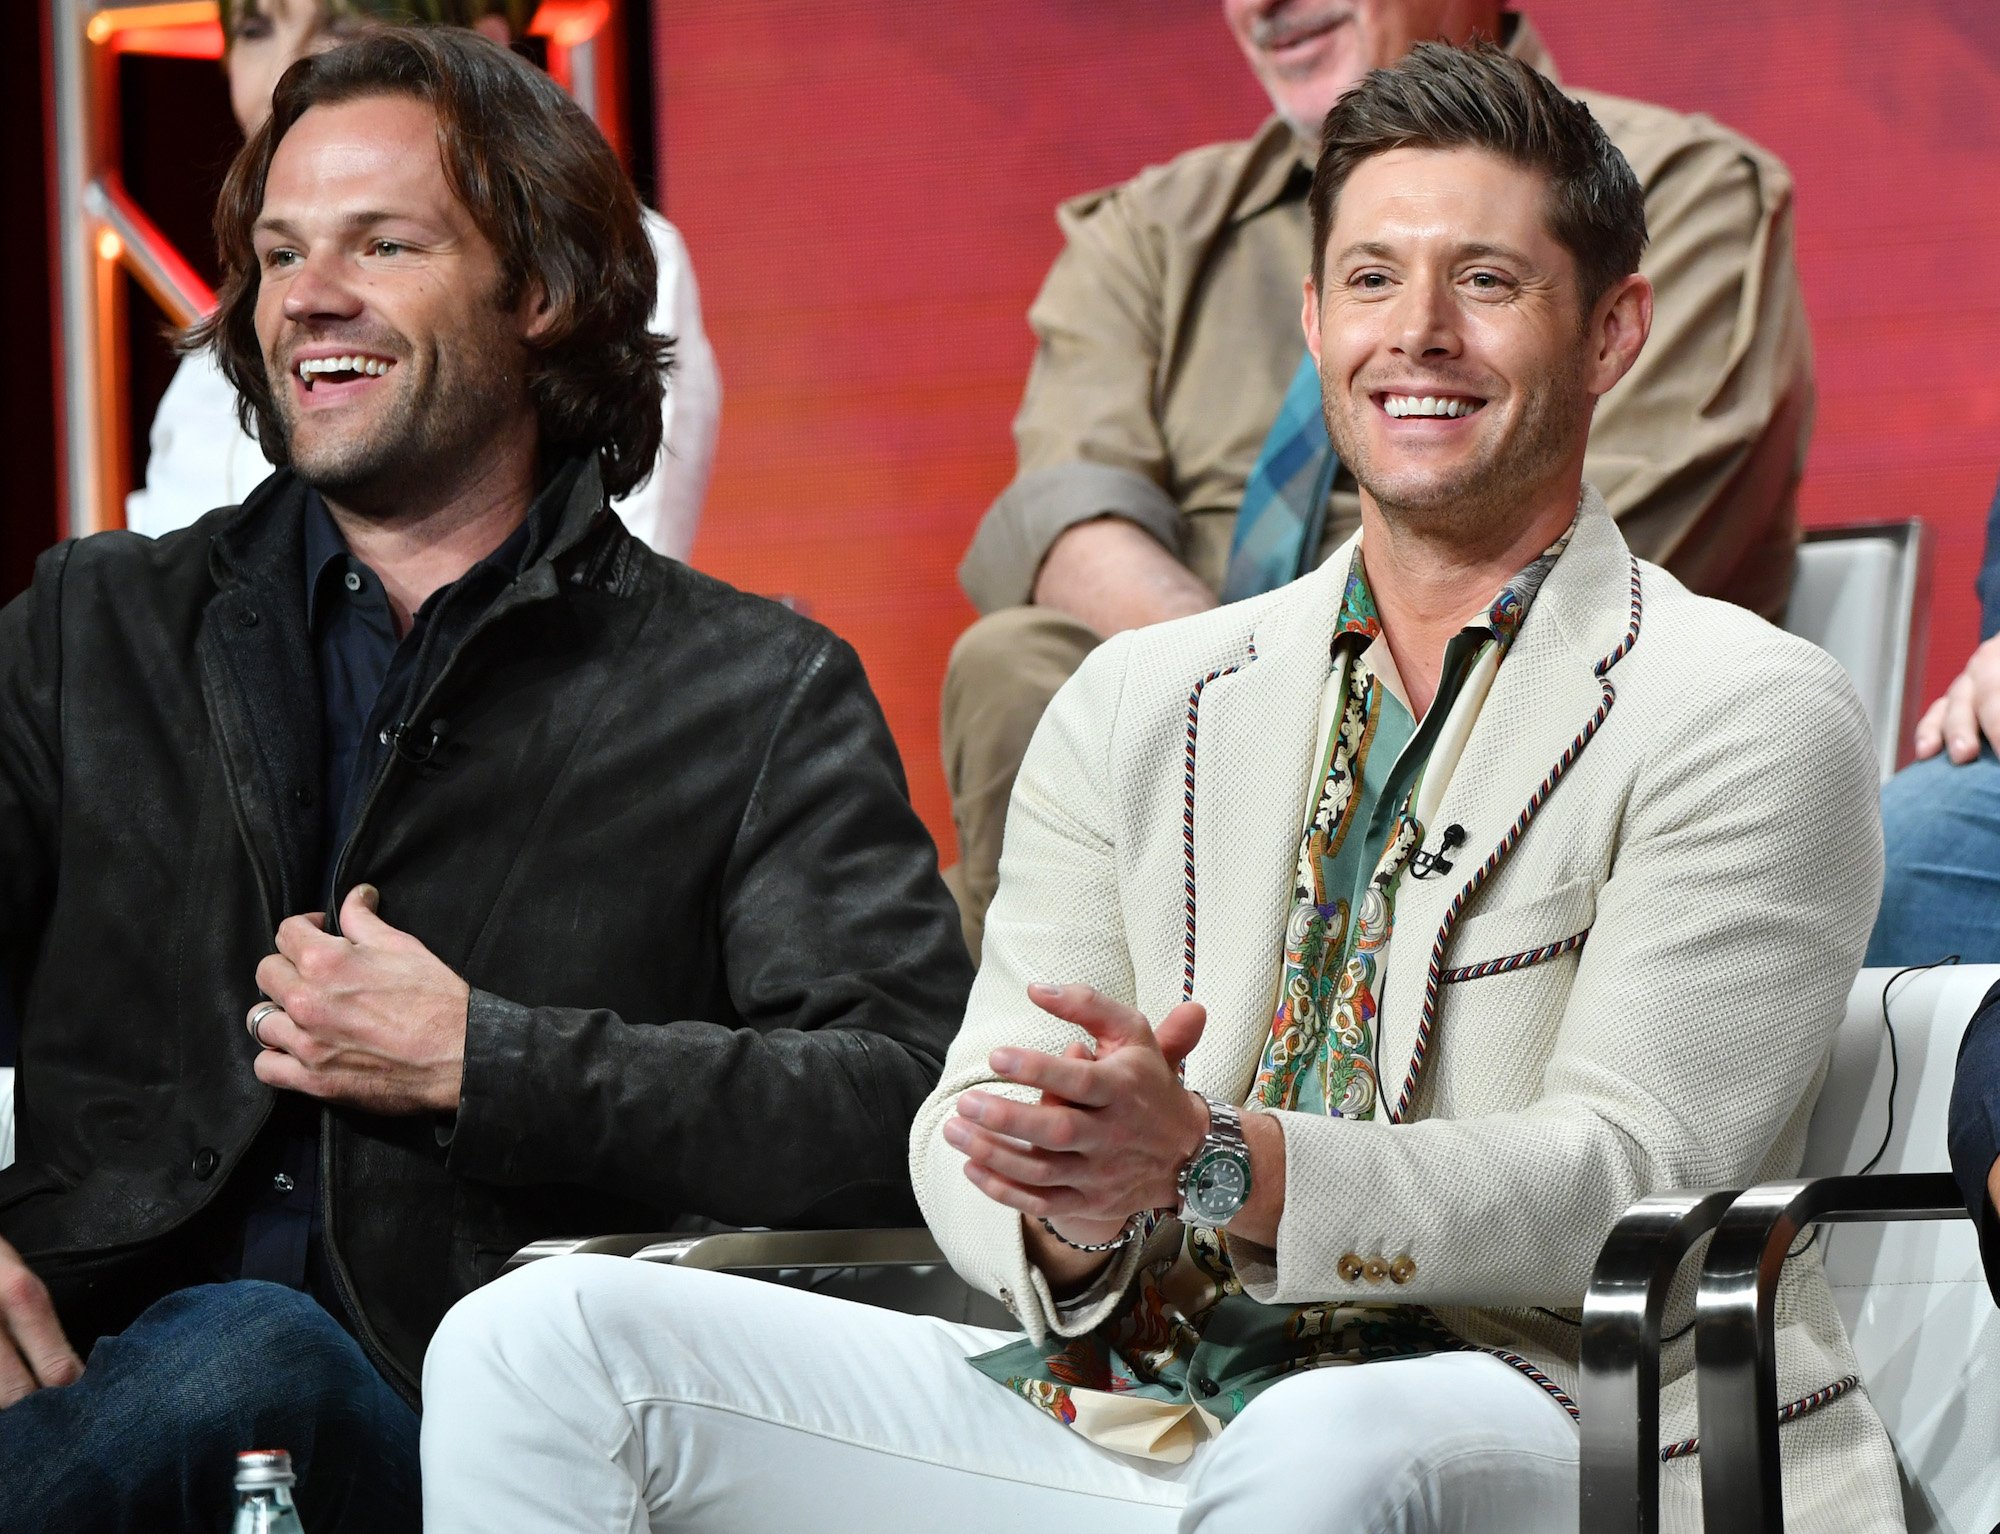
[1002,674]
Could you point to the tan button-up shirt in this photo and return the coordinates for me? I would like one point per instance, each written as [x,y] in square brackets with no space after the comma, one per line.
[1169,329]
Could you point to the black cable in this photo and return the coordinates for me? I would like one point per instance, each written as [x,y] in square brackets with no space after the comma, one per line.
[1888,1133]
[1895,1080]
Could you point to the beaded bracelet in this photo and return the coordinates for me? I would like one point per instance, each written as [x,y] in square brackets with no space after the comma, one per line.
[1137,1224]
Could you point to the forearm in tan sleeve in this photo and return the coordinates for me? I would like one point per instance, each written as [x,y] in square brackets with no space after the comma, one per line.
[1089,441]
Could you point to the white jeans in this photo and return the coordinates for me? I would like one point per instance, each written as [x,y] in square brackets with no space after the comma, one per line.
[595,1393]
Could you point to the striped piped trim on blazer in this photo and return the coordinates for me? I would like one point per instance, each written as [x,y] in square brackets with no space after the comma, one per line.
[1434,977]
[1187,816]
[1826,1395]
[1514,961]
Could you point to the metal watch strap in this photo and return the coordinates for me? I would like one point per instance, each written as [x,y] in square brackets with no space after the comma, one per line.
[1225,1133]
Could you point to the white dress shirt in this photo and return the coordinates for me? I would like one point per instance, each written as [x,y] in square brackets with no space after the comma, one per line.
[201,457]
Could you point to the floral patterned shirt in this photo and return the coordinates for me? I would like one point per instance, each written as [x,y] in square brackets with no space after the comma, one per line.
[1189,1350]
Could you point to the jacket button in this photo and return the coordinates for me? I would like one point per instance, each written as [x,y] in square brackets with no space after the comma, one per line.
[205,1162]
[1205,1386]
[247,617]
[1403,1269]
[302,796]
[1375,1270]
[1349,1269]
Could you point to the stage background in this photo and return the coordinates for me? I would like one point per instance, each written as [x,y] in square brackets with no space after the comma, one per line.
[867,190]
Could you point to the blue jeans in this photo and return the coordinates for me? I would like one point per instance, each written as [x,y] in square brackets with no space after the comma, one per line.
[1941,891]
[148,1438]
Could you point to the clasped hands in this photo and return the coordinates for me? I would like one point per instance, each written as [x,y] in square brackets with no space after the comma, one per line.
[1113,1126]
[369,1017]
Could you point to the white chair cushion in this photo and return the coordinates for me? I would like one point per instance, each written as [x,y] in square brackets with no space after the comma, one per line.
[1913,1294]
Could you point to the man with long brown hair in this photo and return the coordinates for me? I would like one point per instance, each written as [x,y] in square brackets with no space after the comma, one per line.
[596,894]
[198,458]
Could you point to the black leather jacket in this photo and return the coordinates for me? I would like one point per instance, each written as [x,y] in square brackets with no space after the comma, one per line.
[665,837]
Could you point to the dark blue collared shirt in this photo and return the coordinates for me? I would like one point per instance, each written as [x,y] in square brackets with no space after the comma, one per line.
[369,681]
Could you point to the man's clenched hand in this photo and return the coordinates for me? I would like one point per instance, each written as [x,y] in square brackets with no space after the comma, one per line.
[33,1350]
[370,1018]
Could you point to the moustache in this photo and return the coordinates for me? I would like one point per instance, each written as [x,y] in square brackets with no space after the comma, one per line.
[1288,25]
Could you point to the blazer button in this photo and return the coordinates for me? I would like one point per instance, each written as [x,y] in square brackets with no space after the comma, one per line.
[204,1164]
[1349,1269]
[1375,1270]
[1403,1269]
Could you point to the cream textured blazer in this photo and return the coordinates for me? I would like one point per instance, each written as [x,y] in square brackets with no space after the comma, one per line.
[1628,981]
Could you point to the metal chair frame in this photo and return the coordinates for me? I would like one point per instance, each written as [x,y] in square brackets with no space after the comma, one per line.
[1736,1366]
[750,1251]
[1618,1483]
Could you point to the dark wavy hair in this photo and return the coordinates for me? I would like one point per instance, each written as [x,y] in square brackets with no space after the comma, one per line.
[543,187]
[1479,97]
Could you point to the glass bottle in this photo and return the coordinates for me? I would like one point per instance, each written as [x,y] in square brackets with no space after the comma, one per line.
[264,1482]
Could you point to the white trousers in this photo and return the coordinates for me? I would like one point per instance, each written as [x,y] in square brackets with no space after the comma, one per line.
[596,1393]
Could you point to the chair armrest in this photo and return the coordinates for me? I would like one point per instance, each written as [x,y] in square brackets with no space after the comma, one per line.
[752,1251]
[1736,1366]
[1619,1396]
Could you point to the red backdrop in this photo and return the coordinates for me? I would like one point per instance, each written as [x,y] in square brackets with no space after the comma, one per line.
[867,191]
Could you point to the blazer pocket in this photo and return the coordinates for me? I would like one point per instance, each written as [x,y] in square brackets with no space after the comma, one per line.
[1528,932]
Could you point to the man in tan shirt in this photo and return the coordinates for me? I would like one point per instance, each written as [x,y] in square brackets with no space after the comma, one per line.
[1168,333]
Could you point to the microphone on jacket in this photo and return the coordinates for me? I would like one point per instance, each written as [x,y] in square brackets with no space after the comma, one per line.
[1426,864]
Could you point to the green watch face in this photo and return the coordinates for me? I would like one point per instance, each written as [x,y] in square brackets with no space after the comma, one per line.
[1218,1185]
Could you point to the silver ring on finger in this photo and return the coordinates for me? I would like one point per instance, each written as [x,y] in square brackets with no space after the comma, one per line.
[258,1013]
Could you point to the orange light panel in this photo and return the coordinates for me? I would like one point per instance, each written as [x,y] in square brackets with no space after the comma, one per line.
[570,23]
[170,13]
[201,40]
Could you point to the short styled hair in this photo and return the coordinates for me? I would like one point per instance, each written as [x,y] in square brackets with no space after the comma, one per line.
[1480,97]
[542,186]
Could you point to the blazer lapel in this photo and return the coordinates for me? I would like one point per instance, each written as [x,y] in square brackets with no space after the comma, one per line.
[1251,744]
[1544,702]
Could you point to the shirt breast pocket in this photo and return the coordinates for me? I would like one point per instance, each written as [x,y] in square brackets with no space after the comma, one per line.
[1522,934]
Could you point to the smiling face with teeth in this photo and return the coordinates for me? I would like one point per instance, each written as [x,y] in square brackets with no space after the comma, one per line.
[1459,362]
[399,372]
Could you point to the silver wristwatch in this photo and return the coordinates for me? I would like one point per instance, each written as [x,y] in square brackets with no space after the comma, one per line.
[1215,1183]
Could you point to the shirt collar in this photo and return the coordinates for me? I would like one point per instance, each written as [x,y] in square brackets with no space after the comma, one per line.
[1501,617]
[325,546]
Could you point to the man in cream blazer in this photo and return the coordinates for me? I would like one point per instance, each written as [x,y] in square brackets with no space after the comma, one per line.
[1361,951]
